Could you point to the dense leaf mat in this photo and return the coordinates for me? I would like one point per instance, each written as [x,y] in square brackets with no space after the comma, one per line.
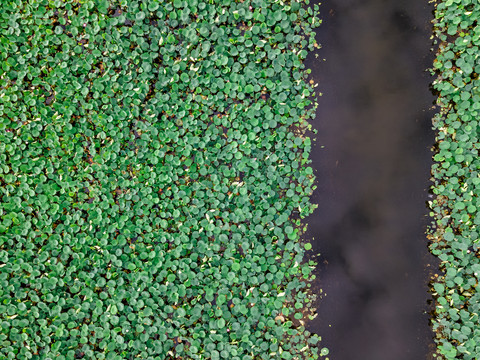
[153,175]
[455,207]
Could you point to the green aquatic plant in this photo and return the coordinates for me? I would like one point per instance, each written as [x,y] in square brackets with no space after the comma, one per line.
[454,232]
[153,157]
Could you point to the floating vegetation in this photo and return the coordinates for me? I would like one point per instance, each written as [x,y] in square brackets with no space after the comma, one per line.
[455,232]
[153,176]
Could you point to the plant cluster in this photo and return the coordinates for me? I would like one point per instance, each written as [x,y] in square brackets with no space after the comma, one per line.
[153,176]
[455,207]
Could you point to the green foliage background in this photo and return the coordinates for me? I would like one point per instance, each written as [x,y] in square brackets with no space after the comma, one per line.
[455,233]
[152,163]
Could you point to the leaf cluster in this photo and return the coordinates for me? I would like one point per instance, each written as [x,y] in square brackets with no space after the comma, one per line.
[456,189]
[152,160]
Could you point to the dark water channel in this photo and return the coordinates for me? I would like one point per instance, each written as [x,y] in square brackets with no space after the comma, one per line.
[374,119]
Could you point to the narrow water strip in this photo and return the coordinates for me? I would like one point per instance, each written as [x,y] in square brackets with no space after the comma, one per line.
[374,121]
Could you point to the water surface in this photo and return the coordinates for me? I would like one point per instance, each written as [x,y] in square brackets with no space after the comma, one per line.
[374,119]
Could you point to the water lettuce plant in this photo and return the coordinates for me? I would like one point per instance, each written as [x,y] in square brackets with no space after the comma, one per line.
[153,176]
[454,234]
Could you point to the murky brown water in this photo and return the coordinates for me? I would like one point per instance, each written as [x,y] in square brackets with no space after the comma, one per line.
[374,120]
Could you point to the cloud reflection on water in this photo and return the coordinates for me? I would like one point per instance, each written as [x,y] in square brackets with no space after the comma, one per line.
[374,120]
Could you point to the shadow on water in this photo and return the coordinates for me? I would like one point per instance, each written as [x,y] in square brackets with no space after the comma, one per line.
[374,119]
